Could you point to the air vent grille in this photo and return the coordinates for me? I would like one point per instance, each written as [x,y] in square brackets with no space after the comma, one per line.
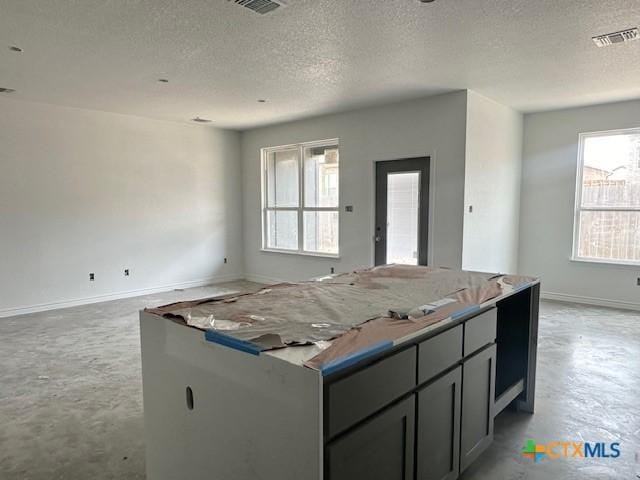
[260,6]
[616,37]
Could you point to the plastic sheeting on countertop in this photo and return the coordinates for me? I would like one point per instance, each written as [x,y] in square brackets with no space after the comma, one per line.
[338,308]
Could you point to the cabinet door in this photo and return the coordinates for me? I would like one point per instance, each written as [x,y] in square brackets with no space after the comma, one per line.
[478,397]
[380,449]
[438,434]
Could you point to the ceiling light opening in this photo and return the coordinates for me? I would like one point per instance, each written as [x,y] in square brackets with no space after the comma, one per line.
[262,101]
[163,80]
[13,48]
[201,120]
[6,90]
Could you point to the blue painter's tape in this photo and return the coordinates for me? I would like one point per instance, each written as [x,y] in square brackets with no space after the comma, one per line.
[346,361]
[465,311]
[231,342]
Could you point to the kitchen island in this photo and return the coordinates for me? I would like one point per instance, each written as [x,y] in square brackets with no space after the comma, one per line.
[388,373]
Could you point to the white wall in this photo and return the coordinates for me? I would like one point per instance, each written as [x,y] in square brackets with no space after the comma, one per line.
[492,186]
[84,191]
[548,196]
[433,126]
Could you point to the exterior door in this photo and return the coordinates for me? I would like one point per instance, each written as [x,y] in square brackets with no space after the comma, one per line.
[402,211]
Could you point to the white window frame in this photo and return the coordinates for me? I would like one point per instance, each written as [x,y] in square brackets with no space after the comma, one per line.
[578,208]
[264,152]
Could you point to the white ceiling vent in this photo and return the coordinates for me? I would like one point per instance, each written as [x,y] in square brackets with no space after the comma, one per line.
[617,37]
[260,6]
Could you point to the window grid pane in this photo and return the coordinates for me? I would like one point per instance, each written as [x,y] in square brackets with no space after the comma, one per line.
[282,229]
[321,176]
[282,179]
[610,235]
[321,231]
[611,171]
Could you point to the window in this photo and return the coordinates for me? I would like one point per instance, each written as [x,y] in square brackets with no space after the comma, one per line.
[607,221]
[300,198]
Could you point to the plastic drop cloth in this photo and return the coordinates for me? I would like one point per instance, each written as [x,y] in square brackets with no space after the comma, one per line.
[318,311]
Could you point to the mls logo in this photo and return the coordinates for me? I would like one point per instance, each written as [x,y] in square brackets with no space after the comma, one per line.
[533,451]
[572,450]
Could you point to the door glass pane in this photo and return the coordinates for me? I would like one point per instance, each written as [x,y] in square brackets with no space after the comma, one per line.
[321,232]
[610,235]
[282,178]
[282,229]
[403,198]
[321,176]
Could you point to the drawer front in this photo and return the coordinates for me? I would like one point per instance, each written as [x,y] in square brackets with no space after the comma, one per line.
[480,331]
[439,353]
[357,396]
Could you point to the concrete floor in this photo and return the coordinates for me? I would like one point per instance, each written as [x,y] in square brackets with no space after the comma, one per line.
[587,390]
[71,396]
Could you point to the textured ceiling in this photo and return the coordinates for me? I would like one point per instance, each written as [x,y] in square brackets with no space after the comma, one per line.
[312,57]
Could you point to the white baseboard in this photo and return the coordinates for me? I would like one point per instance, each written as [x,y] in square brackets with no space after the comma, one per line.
[600,302]
[254,277]
[10,312]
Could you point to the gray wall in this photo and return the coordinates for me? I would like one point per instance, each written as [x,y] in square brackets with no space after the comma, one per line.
[433,126]
[84,191]
[492,186]
[548,196]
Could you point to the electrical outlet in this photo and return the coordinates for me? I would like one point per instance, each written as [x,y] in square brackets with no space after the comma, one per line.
[92,277]
[225,259]
[126,272]
[638,281]
[333,270]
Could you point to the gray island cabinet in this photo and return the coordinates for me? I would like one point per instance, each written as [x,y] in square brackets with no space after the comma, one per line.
[442,416]
[422,410]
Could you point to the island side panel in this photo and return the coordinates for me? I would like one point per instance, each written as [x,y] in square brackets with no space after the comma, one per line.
[517,339]
[253,417]
[527,403]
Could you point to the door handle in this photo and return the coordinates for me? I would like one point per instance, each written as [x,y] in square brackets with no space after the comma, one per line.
[377,238]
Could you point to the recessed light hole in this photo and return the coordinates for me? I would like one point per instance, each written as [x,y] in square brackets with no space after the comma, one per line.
[13,48]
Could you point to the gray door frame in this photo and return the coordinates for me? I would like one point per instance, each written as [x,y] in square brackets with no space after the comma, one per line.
[382,170]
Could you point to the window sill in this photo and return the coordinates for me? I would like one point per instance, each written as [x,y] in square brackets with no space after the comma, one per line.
[604,261]
[303,254]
